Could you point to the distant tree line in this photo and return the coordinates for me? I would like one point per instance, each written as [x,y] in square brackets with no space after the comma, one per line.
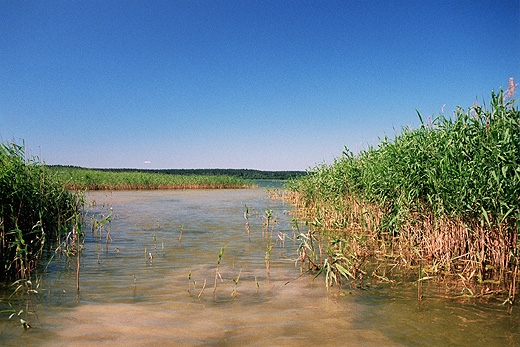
[243,173]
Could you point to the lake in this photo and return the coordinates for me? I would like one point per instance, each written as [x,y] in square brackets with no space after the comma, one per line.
[153,284]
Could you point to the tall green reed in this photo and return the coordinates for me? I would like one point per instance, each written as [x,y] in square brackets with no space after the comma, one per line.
[35,210]
[445,194]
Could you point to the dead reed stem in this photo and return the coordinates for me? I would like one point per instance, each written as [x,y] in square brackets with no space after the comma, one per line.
[202,290]
[480,256]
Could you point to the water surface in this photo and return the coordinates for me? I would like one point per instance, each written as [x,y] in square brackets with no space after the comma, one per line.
[146,287]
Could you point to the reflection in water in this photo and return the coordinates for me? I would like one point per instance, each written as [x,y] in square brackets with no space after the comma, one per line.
[155,286]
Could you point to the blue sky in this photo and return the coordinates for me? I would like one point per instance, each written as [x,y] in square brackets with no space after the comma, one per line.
[269,85]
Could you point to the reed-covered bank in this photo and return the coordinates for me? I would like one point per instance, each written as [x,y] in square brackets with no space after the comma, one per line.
[442,199]
[35,210]
[75,178]
[40,204]
[249,174]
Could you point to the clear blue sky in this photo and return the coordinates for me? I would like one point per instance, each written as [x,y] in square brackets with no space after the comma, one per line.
[270,85]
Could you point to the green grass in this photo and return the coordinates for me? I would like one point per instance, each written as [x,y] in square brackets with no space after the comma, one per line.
[445,194]
[35,209]
[76,178]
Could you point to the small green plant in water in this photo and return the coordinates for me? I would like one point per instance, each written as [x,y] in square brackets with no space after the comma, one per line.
[235,281]
[267,224]
[99,224]
[217,273]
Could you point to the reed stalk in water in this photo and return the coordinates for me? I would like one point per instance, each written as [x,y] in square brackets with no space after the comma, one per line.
[202,290]
[246,217]
[235,281]
[268,216]
[268,259]
[217,273]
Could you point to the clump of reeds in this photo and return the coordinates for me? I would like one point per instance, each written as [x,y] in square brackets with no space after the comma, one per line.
[35,209]
[76,178]
[444,195]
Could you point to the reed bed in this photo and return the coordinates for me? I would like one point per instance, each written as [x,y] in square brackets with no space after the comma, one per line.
[75,178]
[443,197]
[35,210]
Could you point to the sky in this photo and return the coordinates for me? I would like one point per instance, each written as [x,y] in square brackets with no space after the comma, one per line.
[257,84]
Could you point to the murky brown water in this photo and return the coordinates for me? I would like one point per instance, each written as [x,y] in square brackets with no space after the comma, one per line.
[129,298]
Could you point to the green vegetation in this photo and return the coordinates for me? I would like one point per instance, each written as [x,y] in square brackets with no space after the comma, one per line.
[76,178]
[443,199]
[35,209]
[247,174]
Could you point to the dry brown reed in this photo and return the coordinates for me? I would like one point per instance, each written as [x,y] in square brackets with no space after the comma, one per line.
[511,88]
[450,249]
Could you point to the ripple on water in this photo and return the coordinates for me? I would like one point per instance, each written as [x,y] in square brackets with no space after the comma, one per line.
[144,290]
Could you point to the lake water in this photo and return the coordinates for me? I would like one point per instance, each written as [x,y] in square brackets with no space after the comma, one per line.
[154,286]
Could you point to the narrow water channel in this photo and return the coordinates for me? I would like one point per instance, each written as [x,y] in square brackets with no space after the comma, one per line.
[153,284]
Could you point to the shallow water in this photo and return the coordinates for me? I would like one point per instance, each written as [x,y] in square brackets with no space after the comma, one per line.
[147,288]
